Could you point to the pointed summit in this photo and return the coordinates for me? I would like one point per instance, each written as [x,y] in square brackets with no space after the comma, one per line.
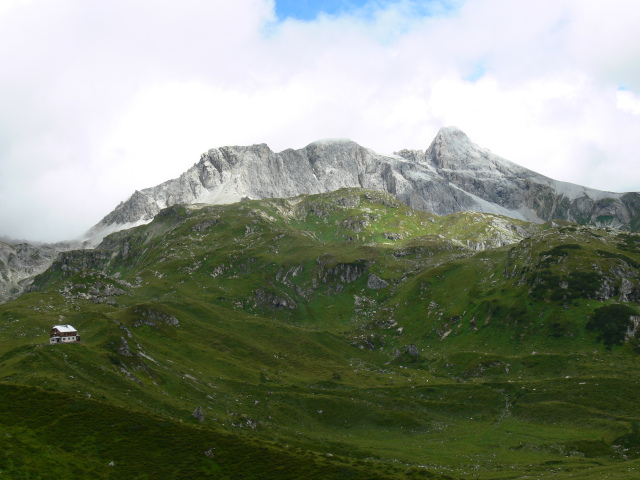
[451,131]
[449,147]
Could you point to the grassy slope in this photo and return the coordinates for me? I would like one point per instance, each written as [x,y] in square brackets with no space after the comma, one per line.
[281,340]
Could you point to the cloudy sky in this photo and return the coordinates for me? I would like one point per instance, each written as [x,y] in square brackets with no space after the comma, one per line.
[100,98]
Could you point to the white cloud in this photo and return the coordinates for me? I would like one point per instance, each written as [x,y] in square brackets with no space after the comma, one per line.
[628,102]
[102,98]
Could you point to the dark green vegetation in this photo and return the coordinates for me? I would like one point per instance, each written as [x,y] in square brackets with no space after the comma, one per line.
[332,336]
[612,323]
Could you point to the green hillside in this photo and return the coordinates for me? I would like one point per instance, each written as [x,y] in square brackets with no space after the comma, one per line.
[341,335]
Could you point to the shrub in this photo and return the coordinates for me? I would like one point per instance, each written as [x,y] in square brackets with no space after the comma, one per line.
[556,253]
[611,322]
[620,256]
[579,285]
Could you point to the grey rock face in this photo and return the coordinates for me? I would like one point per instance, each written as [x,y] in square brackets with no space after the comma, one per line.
[376,283]
[124,348]
[393,236]
[138,207]
[633,328]
[149,316]
[412,350]
[98,290]
[606,291]
[200,227]
[197,414]
[265,298]
[344,272]
[626,290]
[452,175]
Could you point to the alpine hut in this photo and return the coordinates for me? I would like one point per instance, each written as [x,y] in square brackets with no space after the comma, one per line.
[63,334]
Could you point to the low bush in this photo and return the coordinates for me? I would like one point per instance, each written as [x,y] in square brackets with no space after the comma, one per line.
[611,323]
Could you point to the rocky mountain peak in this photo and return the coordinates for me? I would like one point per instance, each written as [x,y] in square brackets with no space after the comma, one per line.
[452,149]
[451,135]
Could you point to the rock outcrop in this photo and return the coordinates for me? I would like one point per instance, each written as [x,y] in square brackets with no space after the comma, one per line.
[412,350]
[123,349]
[152,317]
[376,283]
[266,298]
[197,414]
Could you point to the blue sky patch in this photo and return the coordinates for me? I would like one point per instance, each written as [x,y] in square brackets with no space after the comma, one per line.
[477,73]
[310,9]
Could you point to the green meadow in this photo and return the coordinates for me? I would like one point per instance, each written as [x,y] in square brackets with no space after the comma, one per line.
[341,335]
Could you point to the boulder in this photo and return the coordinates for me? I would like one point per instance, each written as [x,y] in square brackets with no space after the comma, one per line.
[412,350]
[376,283]
[197,414]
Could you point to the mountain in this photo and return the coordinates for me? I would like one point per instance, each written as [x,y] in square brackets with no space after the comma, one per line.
[452,175]
[336,335]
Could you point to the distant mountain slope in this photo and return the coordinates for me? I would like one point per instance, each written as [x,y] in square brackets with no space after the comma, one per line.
[452,175]
[19,264]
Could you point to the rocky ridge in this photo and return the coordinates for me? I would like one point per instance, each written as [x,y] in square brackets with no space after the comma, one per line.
[452,175]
